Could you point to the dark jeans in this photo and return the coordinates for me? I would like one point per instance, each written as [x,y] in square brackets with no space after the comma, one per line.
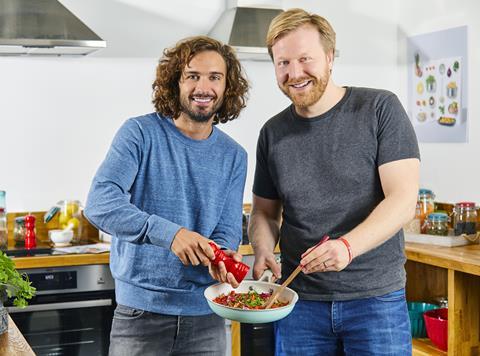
[370,326]
[138,332]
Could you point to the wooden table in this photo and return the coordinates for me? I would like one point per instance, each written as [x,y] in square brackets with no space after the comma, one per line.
[12,343]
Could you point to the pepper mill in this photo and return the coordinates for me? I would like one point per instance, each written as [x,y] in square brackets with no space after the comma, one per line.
[238,269]
[30,238]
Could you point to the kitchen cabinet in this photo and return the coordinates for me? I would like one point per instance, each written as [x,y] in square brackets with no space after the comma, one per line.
[453,272]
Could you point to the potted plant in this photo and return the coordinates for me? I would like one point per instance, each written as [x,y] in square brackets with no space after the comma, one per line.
[12,285]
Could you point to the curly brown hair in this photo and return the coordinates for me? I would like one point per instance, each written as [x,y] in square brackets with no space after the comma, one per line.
[166,91]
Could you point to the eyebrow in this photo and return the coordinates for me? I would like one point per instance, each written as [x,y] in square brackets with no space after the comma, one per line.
[197,72]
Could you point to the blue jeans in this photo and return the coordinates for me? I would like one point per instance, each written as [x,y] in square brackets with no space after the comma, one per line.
[140,333]
[370,326]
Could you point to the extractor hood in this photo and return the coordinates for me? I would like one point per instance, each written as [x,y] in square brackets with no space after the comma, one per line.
[245,28]
[43,27]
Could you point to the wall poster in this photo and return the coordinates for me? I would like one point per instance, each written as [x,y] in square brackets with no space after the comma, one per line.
[437,79]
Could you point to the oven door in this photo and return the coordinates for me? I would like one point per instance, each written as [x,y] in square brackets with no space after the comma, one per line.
[67,324]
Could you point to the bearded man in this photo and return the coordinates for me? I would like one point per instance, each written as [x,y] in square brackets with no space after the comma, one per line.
[171,183]
[343,162]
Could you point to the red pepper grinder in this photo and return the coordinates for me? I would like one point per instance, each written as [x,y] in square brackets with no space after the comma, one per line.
[30,238]
[238,269]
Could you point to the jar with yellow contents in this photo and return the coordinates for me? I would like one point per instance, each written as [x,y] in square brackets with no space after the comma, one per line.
[425,206]
[70,217]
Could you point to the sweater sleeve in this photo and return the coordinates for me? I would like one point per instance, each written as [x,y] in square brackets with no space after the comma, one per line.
[228,231]
[108,204]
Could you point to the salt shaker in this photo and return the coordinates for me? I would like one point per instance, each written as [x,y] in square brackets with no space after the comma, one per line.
[238,269]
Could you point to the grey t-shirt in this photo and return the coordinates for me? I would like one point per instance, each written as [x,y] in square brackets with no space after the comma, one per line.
[325,171]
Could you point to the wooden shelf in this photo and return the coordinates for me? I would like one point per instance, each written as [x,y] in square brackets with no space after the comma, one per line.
[424,347]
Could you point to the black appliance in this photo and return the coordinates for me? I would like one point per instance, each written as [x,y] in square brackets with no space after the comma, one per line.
[257,339]
[71,313]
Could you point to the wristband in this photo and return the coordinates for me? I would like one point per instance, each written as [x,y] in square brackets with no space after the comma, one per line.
[349,248]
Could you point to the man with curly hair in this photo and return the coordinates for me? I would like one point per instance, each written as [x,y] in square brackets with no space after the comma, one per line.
[343,162]
[171,183]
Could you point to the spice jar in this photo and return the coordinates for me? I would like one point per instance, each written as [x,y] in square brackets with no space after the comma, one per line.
[425,206]
[71,217]
[465,218]
[19,230]
[437,224]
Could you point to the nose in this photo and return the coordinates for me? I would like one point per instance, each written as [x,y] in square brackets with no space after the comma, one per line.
[203,85]
[294,70]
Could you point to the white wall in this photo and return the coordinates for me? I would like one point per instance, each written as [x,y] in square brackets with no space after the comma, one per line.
[450,170]
[58,116]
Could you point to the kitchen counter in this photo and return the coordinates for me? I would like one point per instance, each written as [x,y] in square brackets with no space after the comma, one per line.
[61,260]
[12,343]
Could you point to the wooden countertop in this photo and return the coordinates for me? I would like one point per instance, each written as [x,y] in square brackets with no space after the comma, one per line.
[461,258]
[12,343]
[61,260]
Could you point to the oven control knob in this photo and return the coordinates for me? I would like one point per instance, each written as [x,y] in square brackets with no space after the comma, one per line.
[100,280]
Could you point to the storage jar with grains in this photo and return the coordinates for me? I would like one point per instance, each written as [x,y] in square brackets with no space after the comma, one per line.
[465,218]
[437,224]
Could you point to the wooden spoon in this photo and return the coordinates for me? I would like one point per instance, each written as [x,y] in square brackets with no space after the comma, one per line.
[292,275]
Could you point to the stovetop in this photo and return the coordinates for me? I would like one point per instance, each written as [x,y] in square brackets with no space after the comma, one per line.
[23,252]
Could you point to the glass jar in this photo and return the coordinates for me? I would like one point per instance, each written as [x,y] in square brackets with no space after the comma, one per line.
[425,206]
[70,217]
[19,230]
[465,218]
[437,224]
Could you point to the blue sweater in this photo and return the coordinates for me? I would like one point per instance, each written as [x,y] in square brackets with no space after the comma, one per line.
[153,181]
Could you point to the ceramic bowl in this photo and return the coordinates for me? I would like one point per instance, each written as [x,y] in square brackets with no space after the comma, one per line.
[61,237]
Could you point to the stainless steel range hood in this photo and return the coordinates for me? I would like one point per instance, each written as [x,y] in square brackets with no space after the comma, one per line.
[43,27]
[245,28]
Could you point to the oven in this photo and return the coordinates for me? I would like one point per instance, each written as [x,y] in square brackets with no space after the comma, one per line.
[71,313]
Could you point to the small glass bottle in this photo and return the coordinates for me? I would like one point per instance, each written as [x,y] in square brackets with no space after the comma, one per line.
[426,206]
[465,218]
[3,222]
[437,224]
[19,231]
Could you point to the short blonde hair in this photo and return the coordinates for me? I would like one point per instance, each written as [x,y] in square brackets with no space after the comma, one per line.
[292,19]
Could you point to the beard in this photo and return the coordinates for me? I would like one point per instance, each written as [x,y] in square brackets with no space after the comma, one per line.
[199,114]
[309,97]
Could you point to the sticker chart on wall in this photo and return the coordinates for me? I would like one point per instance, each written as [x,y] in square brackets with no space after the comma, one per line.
[436,78]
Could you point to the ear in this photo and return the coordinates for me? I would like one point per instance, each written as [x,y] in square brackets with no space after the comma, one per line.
[330,57]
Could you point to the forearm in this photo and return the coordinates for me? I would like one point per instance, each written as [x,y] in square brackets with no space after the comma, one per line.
[385,220]
[263,231]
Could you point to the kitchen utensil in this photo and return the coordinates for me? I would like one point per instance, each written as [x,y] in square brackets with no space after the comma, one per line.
[61,238]
[290,278]
[253,316]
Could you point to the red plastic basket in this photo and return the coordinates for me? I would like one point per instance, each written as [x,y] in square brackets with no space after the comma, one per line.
[436,323]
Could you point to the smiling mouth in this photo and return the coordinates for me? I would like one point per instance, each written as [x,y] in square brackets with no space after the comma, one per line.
[202,99]
[301,84]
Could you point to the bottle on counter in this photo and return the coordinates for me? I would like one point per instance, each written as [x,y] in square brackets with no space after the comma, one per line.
[465,218]
[425,206]
[19,231]
[3,222]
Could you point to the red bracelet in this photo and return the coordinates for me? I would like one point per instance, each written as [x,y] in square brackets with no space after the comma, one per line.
[349,248]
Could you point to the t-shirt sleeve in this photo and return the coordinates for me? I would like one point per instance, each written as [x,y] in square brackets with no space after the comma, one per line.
[396,136]
[263,185]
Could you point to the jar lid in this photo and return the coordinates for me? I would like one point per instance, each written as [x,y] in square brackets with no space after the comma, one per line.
[20,220]
[438,217]
[425,192]
[465,204]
